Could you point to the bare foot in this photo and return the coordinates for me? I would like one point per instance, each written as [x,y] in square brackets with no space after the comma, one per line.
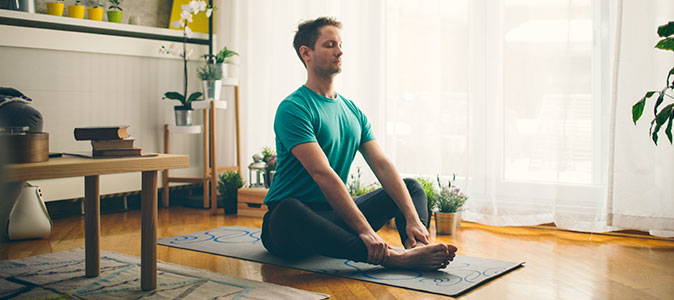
[422,257]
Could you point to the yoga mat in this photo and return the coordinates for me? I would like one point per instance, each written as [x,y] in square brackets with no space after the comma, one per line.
[60,275]
[462,275]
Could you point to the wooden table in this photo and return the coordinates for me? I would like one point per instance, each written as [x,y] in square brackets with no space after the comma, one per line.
[91,169]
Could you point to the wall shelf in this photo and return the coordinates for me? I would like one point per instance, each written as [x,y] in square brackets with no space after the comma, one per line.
[43,21]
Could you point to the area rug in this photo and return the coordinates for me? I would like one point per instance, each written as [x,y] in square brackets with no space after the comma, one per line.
[462,275]
[61,276]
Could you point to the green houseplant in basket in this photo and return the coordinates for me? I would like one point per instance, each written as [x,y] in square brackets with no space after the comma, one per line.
[228,184]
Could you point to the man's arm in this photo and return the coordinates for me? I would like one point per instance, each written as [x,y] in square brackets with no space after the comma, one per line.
[389,178]
[316,163]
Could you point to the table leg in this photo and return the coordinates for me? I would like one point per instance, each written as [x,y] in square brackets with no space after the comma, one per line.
[92,224]
[148,238]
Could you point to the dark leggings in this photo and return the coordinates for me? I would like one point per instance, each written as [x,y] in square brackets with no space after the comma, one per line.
[293,229]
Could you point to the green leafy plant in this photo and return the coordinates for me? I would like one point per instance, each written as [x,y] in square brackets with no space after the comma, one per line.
[666,114]
[78,2]
[356,188]
[210,72]
[431,194]
[115,5]
[222,56]
[450,199]
[229,182]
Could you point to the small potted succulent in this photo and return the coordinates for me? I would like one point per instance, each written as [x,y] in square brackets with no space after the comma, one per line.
[55,8]
[76,10]
[223,59]
[95,12]
[450,201]
[211,78]
[114,11]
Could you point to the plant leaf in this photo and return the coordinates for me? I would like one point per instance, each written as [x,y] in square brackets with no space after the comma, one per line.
[665,44]
[668,130]
[668,75]
[660,119]
[658,102]
[638,108]
[174,96]
[194,96]
[666,30]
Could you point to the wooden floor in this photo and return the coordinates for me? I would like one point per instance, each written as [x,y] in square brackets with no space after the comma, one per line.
[559,264]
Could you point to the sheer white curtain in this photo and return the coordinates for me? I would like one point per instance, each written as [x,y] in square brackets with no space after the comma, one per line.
[510,95]
[504,94]
[643,177]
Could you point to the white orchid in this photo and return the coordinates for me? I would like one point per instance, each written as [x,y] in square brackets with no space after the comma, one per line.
[188,10]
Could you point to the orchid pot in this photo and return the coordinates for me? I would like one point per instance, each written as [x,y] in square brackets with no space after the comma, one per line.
[183,115]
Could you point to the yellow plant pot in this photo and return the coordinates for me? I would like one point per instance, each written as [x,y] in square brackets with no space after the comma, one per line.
[76,11]
[95,13]
[446,223]
[55,8]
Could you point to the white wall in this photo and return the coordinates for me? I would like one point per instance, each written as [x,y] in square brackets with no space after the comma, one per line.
[80,79]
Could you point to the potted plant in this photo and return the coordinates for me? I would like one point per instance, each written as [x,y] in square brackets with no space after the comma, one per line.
[55,8]
[114,11]
[431,195]
[228,184]
[211,79]
[95,12]
[183,113]
[269,157]
[450,200]
[666,114]
[76,10]
[223,59]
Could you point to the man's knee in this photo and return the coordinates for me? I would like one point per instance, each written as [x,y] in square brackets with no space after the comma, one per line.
[412,184]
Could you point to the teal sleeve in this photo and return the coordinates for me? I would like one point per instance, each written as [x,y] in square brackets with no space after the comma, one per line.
[366,131]
[293,125]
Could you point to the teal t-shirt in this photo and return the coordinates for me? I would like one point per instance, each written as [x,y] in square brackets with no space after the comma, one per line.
[337,125]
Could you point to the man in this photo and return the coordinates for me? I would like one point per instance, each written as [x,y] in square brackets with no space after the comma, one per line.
[318,133]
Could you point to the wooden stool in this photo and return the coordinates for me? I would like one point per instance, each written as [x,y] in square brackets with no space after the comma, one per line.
[251,202]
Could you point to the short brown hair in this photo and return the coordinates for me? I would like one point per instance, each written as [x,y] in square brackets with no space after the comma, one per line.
[307,33]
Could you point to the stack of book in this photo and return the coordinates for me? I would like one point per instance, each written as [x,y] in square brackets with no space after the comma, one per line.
[108,141]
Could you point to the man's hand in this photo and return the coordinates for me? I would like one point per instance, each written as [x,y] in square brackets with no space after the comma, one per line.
[416,232]
[376,247]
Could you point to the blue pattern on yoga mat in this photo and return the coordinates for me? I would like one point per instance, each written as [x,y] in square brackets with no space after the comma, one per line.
[463,274]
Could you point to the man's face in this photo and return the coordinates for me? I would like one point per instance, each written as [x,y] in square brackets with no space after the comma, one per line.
[326,58]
